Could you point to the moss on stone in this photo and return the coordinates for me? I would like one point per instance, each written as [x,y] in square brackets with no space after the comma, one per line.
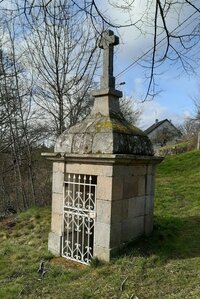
[102,125]
[117,126]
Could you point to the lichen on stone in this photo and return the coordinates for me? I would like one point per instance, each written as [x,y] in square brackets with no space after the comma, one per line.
[104,134]
[117,126]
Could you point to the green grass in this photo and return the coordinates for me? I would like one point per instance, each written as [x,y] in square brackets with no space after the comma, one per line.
[179,145]
[177,148]
[165,265]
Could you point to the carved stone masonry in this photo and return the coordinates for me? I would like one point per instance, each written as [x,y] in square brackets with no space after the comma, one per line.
[119,159]
[107,42]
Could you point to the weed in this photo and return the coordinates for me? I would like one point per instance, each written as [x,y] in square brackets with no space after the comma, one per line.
[96,262]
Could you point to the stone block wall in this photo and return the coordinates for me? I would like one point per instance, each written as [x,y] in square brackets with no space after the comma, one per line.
[124,204]
[125,211]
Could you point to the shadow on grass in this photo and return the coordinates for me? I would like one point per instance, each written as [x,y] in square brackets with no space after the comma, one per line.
[172,238]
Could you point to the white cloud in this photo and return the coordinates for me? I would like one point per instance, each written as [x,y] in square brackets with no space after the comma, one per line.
[137,40]
[151,110]
[132,42]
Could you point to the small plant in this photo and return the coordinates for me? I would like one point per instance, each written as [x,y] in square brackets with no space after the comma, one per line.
[95,262]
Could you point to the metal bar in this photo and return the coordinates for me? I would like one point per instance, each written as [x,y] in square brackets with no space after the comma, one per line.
[78,223]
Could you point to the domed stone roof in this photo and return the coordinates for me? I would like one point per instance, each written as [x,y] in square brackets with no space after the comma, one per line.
[104,135]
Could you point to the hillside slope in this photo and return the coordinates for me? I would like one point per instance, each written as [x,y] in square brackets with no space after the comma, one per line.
[177,204]
[165,265]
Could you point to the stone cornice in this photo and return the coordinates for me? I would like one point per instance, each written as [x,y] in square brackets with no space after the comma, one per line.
[106,91]
[102,158]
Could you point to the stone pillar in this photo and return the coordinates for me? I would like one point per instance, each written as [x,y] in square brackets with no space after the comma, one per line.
[55,236]
[198,141]
[108,219]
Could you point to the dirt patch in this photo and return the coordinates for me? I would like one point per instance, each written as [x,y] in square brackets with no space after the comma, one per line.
[61,261]
[7,222]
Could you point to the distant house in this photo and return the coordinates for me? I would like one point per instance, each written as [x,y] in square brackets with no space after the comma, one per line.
[162,133]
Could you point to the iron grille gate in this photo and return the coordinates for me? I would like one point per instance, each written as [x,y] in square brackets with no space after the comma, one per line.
[79,217]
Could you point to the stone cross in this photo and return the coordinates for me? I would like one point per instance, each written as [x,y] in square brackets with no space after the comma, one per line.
[107,42]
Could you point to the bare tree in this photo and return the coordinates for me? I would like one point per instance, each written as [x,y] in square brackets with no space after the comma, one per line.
[13,130]
[191,126]
[129,110]
[63,60]
[16,114]
[173,25]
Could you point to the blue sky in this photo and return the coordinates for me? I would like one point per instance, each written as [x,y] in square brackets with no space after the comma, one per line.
[177,88]
[175,100]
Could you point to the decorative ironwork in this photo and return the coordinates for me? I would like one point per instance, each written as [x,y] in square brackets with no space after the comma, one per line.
[79,217]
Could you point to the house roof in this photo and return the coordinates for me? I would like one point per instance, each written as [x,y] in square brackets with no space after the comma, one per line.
[157,124]
[154,126]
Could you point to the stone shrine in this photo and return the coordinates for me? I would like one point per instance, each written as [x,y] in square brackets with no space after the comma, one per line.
[103,177]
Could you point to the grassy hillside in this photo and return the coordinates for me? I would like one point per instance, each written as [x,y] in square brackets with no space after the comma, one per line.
[165,265]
